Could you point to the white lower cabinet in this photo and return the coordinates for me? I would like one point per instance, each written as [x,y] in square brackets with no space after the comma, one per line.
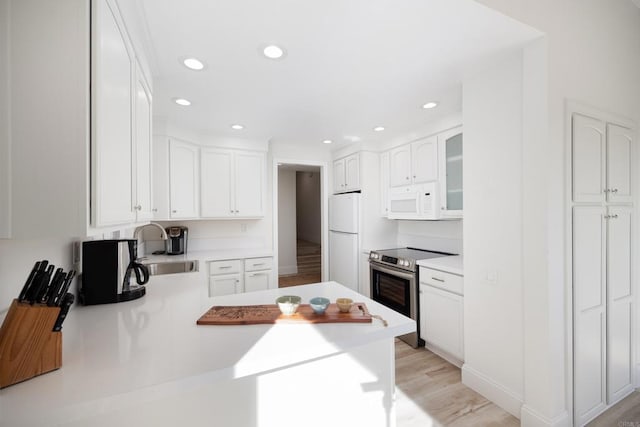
[240,275]
[441,315]
[225,284]
[258,274]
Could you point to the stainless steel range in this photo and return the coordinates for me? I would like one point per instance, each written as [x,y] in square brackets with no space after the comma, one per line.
[394,283]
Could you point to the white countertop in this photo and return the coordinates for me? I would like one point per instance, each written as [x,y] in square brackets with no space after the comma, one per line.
[118,355]
[449,264]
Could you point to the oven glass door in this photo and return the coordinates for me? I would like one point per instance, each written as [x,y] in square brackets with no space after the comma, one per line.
[393,289]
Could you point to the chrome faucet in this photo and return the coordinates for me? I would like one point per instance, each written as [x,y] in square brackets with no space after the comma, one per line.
[137,231]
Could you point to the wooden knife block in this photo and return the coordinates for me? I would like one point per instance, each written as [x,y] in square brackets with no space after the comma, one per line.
[28,345]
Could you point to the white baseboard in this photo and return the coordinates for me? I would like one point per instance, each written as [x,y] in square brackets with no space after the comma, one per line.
[493,391]
[531,418]
[287,270]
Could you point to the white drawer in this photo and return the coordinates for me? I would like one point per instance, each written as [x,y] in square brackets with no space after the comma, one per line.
[441,280]
[256,264]
[225,267]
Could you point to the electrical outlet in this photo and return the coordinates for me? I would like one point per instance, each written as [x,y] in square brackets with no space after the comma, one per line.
[243,227]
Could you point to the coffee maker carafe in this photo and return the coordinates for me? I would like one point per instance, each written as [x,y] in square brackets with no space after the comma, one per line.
[107,269]
[176,240]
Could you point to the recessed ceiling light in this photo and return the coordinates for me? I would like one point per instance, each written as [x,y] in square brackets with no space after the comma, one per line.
[378,128]
[237,127]
[327,141]
[273,52]
[193,64]
[182,101]
[430,105]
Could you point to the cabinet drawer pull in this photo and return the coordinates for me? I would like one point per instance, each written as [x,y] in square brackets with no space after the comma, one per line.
[437,280]
[225,266]
[260,263]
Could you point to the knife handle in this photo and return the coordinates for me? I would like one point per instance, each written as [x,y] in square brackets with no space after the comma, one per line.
[29,283]
[67,301]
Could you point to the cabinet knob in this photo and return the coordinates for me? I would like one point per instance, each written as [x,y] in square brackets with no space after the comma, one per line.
[138,207]
[174,211]
[231,211]
[407,178]
[237,211]
[615,190]
[414,177]
[154,210]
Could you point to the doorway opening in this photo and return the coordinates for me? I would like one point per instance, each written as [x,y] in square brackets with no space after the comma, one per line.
[299,224]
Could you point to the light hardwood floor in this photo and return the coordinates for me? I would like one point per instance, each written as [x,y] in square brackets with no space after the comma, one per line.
[429,393]
[309,266]
[625,413]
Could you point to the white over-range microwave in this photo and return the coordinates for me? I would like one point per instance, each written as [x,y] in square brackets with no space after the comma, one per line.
[420,201]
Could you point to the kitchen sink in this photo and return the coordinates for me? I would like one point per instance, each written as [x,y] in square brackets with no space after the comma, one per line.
[172,267]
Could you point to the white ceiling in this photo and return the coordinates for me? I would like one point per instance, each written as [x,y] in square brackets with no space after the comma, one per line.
[351,65]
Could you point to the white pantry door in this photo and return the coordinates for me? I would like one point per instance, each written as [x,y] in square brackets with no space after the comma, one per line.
[590,301]
[588,146]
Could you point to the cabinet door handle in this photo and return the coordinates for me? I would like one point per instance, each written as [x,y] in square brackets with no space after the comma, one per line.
[437,280]
[615,190]
[154,210]
[606,190]
[174,211]
[237,211]
[614,216]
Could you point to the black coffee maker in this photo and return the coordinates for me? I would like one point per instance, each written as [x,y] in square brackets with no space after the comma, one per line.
[107,267]
[176,240]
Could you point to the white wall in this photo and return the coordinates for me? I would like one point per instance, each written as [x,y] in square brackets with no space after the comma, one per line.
[590,54]
[308,206]
[492,106]
[17,258]
[287,253]
[442,236]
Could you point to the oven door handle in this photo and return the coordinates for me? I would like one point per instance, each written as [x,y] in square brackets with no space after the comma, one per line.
[399,273]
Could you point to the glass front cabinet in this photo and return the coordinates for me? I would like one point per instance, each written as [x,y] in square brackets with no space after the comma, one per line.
[450,165]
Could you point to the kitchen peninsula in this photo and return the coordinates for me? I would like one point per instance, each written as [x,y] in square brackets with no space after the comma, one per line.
[146,362]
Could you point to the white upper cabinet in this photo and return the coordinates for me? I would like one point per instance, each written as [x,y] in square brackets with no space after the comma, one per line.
[71,67]
[589,181]
[424,160]
[414,163]
[113,68]
[384,184]
[339,177]
[249,185]
[400,166]
[216,177]
[184,180]
[233,183]
[346,174]
[450,178]
[143,132]
[619,158]
[602,159]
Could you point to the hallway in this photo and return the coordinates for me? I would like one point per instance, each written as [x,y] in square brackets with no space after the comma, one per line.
[309,265]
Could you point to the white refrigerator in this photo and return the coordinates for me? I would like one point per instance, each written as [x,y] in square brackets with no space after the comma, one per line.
[344,239]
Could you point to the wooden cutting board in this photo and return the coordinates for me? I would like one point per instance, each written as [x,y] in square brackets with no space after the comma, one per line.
[270,313]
